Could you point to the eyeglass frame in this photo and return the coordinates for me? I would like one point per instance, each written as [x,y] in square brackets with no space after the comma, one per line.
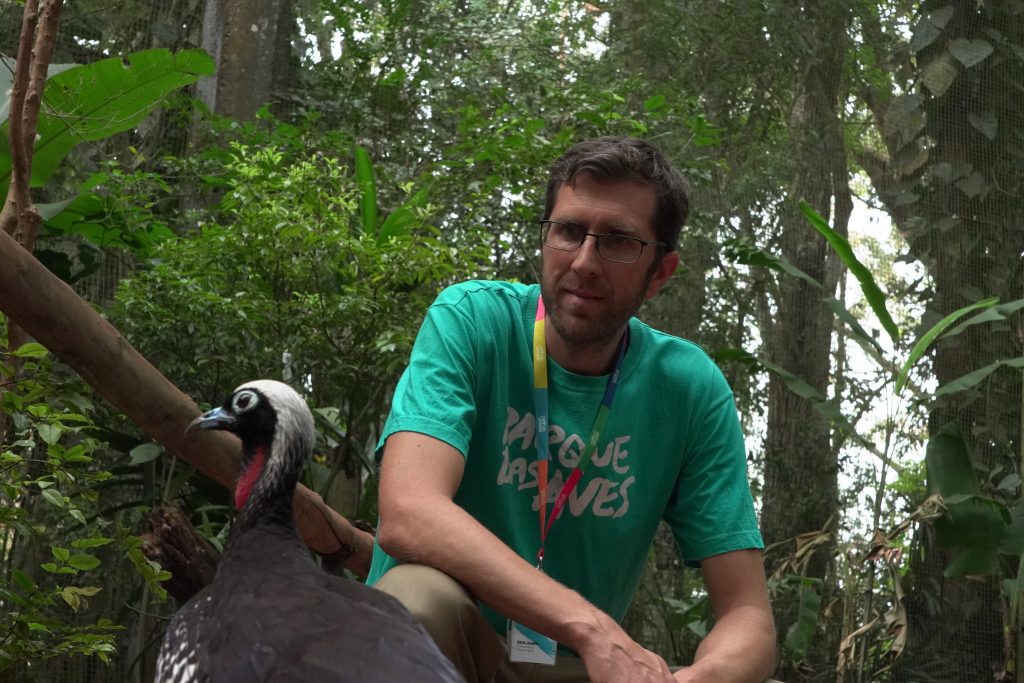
[597,239]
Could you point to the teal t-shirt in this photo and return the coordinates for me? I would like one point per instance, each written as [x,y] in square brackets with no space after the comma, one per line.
[672,447]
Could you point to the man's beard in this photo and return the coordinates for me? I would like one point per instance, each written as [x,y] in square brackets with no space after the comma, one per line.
[585,333]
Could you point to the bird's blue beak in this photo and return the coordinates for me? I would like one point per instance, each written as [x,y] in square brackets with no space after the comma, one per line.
[218,418]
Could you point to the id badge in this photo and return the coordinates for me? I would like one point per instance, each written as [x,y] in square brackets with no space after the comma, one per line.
[526,645]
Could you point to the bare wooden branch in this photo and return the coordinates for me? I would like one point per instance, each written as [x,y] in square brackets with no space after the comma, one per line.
[19,216]
[17,192]
[61,321]
[37,66]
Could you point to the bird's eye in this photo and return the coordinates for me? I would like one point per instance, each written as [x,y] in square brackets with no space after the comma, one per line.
[243,401]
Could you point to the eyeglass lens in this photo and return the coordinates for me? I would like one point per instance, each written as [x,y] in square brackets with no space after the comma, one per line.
[613,247]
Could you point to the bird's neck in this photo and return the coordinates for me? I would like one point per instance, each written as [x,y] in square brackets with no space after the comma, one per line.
[265,489]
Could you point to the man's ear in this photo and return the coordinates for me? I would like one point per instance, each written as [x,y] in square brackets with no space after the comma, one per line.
[662,272]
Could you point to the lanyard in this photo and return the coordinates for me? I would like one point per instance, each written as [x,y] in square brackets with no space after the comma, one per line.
[540,403]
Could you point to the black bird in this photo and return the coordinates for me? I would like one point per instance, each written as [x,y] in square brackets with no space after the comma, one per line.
[271,614]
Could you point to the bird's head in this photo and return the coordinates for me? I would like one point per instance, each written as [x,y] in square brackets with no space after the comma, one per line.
[276,429]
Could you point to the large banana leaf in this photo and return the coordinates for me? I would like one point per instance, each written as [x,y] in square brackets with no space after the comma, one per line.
[7,65]
[989,315]
[367,190]
[802,389]
[971,379]
[401,220]
[872,292]
[931,335]
[97,100]
[742,251]
[973,522]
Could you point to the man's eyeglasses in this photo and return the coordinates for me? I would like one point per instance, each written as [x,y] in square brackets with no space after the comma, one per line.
[610,246]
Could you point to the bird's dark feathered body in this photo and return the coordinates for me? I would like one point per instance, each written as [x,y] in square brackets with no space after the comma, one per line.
[271,614]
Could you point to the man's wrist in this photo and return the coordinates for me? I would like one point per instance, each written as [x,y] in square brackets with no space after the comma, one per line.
[588,627]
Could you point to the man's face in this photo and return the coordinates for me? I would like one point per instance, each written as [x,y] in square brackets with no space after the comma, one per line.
[589,299]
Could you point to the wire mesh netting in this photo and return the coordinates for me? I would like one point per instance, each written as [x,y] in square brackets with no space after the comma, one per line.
[952,192]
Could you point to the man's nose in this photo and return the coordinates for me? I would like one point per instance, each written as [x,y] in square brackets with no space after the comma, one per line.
[587,261]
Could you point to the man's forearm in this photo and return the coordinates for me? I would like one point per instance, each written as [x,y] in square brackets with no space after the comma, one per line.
[739,649]
[445,537]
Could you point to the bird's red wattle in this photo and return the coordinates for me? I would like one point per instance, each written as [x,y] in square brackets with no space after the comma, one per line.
[249,477]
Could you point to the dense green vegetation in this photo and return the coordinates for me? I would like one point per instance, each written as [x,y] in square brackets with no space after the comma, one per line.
[853,263]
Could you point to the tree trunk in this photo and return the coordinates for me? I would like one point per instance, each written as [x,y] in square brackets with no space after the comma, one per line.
[170,539]
[242,38]
[800,461]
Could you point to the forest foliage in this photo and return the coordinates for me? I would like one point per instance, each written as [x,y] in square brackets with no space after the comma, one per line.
[404,146]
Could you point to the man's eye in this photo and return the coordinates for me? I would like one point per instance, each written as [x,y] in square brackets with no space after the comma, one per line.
[618,241]
[570,231]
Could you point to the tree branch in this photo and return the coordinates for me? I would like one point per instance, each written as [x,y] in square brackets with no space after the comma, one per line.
[60,320]
[40,304]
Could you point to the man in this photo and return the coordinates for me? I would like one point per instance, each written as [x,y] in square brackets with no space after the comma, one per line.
[505,549]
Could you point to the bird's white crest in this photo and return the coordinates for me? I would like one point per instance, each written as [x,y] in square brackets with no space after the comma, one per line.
[294,419]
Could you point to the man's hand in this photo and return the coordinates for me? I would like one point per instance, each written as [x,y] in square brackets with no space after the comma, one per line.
[611,656]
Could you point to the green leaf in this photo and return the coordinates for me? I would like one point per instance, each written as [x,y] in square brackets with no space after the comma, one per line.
[801,633]
[931,335]
[61,554]
[97,100]
[39,410]
[1013,537]
[1009,483]
[71,596]
[51,210]
[23,580]
[30,350]
[91,542]
[950,470]
[930,27]
[83,562]
[977,561]
[54,498]
[400,221]
[972,379]
[973,185]
[50,432]
[970,52]
[872,292]
[144,453]
[742,251]
[985,122]
[989,315]
[368,190]
[654,103]
[939,74]
[7,65]
[972,522]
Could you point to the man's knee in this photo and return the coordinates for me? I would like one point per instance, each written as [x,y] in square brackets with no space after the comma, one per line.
[432,596]
[450,615]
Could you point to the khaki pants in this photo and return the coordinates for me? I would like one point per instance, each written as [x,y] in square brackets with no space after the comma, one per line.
[458,626]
